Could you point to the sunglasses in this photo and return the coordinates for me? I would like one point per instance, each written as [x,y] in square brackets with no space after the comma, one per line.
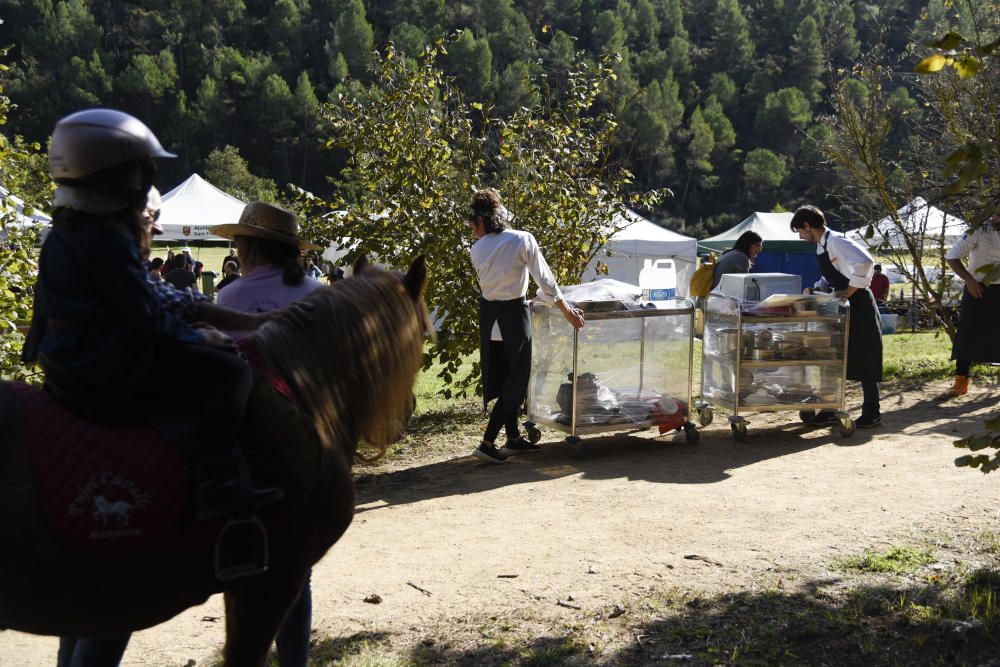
[155,215]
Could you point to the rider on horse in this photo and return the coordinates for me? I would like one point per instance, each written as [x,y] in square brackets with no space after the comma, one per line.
[104,337]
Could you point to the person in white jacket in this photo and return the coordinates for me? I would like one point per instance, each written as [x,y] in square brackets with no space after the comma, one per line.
[847,269]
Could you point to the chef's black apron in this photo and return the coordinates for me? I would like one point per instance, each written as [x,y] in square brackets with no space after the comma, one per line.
[979,320]
[506,365]
[864,336]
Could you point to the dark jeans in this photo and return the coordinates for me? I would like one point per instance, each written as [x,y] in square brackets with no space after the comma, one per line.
[962,367]
[103,652]
[293,638]
[500,416]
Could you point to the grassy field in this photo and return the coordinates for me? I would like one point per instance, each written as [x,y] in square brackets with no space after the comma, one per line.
[210,256]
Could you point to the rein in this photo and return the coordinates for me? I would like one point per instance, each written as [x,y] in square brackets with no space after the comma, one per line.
[248,349]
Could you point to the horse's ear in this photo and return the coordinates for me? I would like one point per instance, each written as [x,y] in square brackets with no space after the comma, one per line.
[415,277]
[360,264]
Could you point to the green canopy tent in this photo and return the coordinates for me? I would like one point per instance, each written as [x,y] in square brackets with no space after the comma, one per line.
[783,251]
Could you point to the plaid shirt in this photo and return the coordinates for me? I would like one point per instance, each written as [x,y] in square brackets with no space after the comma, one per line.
[182,303]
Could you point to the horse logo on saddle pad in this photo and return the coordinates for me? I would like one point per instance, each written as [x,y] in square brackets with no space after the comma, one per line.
[105,489]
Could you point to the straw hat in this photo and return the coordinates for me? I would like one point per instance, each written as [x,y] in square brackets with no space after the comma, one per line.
[265,221]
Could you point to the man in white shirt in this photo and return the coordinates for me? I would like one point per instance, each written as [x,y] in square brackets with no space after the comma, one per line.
[847,269]
[503,259]
[979,314]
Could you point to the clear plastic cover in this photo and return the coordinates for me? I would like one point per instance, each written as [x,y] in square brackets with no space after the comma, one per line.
[603,295]
[771,361]
[633,368]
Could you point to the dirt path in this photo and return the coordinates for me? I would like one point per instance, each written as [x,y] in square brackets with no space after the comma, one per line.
[630,513]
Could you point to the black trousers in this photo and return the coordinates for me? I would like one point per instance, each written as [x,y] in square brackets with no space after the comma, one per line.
[501,416]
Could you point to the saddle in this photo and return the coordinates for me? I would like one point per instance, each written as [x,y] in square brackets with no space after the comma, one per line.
[117,490]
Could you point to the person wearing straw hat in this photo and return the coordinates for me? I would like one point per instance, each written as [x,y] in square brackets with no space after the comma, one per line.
[268,245]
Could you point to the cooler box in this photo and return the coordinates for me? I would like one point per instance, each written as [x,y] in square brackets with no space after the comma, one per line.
[754,287]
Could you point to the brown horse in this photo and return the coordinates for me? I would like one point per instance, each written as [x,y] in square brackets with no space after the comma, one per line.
[350,373]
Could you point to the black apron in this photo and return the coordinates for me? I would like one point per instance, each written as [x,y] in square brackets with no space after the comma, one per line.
[506,365]
[978,322]
[864,336]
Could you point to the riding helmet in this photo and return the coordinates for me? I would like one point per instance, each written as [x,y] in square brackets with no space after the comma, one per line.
[90,141]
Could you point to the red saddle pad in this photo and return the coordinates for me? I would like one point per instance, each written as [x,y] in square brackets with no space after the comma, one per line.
[106,489]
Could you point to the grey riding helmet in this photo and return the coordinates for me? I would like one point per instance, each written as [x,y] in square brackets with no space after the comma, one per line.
[92,140]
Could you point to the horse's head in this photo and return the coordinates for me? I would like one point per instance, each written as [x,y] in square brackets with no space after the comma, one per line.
[352,368]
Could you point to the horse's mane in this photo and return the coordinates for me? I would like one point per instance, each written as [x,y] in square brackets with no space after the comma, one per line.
[351,369]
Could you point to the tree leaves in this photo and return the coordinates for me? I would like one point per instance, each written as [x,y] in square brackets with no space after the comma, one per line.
[416,151]
[931,64]
[950,41]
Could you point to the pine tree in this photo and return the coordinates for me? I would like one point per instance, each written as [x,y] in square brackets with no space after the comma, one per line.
[354,38]
[730,47]
[470,61]
[843,35]
[808,59]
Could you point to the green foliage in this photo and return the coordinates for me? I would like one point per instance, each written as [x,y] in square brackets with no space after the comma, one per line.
[889,149]
[199,73]
[227,170]
[764,171]
[417,150]
[354,37]
[989,440]
[17,257]
[897,560]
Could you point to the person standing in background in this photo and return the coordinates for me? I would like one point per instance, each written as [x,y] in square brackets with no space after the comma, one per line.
[880,285]
[229,274]
[503,259]
[231,257]
[847,269]
[979,313]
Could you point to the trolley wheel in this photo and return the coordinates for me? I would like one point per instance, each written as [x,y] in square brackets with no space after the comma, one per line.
[705,416]
[739,431]
[533,432]
[691,435]
[573,442]
[806,415]
[847,427]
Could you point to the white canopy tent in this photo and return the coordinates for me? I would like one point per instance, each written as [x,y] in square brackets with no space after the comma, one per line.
[23,219]
[919,219]
[639,240]
[193,207]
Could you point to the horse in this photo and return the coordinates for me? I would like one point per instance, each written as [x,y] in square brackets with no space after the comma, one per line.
[348,376]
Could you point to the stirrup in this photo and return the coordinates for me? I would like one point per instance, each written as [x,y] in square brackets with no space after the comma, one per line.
[241,549]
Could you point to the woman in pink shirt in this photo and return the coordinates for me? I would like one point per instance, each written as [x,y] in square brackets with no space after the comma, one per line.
[269,249]
[268,245]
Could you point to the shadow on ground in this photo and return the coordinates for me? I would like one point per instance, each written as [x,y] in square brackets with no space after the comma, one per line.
[825,623]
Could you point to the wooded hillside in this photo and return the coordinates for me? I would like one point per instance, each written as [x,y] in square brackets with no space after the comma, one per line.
[718,100]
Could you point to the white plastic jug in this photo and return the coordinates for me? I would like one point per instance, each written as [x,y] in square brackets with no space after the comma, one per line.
[658,280]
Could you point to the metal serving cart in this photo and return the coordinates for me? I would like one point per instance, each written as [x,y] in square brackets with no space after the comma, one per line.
[626,370]
[761,358]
